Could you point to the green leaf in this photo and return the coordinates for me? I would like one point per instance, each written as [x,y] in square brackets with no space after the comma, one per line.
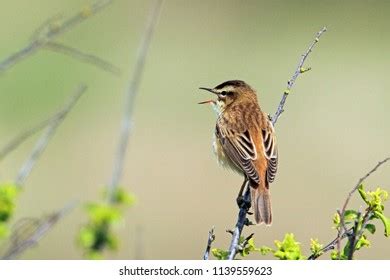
[385,221]
[220,254]
[315,247]
[350,215]
[375,199]
[121,197]
[87,237]
[334,255]
[103,213]
[371,228]
[288,249]
[336,220]
[8,195]
[249,247]
[362,242]
[112,242]
[363,194]
[264,250]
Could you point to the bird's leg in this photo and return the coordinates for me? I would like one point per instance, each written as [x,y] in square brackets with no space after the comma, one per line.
[241,201]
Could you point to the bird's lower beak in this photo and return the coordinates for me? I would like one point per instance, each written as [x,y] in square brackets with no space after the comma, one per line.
[208,101]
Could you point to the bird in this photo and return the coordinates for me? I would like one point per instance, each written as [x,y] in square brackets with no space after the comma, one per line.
[244,141]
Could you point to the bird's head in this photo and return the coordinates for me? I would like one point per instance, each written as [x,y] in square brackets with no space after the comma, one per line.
[230,92]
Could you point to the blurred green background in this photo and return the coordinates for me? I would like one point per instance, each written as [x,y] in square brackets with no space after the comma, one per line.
[334,129]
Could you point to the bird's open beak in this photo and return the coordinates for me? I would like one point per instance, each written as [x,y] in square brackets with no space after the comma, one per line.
[208,101]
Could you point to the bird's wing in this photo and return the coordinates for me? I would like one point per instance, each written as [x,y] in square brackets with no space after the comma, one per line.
[270,150]
[240,148]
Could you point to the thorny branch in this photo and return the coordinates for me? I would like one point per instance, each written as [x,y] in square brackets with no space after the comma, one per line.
[46,33]
[43,141]
[34,233]
[130,96]
[241,220]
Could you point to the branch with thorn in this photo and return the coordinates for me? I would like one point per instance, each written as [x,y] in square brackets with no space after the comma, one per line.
[45,34]
[242,219]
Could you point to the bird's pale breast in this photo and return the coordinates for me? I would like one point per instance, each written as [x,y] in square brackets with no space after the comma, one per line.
[224,160]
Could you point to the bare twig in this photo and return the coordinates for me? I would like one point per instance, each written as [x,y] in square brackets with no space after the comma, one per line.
[130,96]
[210,240]
[84,57]
[360,181]
[300,69]
[19,139]
[242,220]
[45,35]
[45,138]
[40,228]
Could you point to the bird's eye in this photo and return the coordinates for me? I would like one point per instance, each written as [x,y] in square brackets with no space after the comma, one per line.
[223,94]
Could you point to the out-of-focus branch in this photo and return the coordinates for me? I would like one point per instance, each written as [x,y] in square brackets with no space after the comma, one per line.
[299,70]
[19,139]
[34,233]
[45,35]
[241,219]
[210,240]
[43,141]
[84,57]
[130,96]
[342,212]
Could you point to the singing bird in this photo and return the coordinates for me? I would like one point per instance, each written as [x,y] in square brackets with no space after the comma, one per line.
[245,142]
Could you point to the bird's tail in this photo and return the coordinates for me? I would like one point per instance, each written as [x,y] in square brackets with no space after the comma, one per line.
[261,203]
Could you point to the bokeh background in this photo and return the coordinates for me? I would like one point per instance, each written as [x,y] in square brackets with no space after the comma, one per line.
[334,129]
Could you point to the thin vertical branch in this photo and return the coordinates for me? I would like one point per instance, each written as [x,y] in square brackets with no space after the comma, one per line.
[241,219]
[130,96]
[210,240]
[43,141]
[19,246]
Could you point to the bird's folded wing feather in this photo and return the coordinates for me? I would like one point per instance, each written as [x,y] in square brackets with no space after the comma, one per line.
[240,148]
[270,151]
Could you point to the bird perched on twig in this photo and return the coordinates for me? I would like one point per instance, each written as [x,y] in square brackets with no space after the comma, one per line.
[245,142]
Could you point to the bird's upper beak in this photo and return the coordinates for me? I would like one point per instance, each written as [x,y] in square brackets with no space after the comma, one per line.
[208,101]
